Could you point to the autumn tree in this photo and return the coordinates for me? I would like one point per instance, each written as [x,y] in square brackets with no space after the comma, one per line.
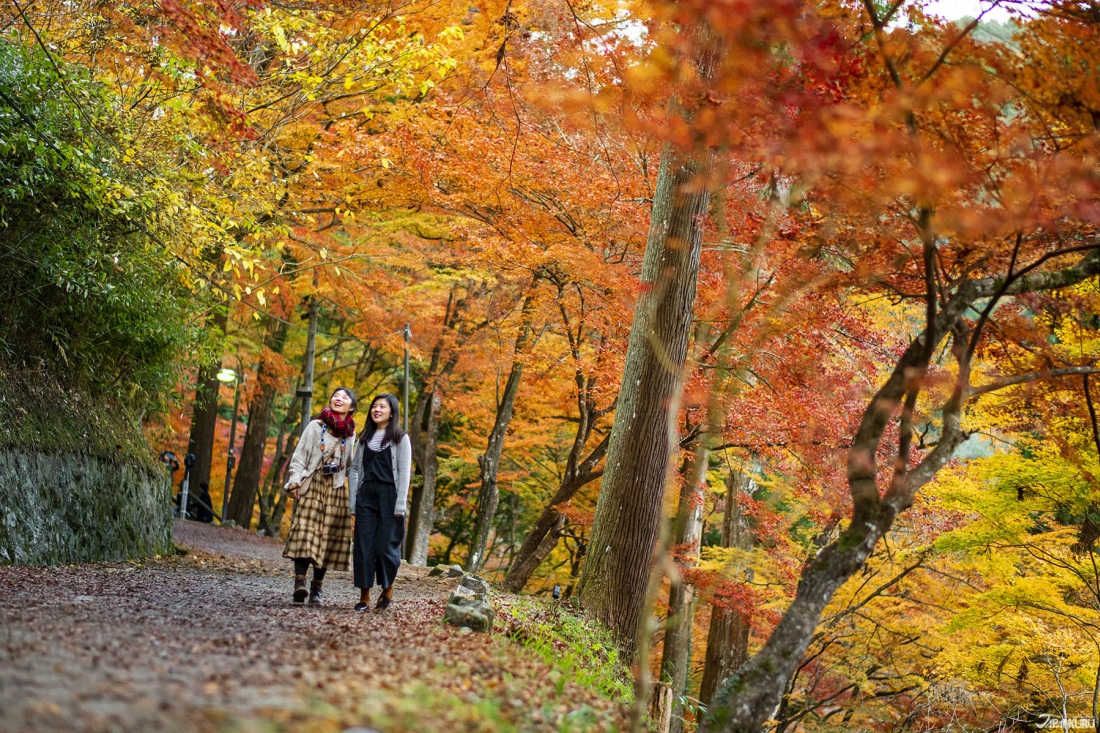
[489,493]
[617,569]
[949,224]
[247,480]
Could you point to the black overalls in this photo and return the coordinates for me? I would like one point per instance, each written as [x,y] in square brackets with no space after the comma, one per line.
[378,533]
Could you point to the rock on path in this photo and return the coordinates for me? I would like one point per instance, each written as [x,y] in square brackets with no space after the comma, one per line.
[209,641]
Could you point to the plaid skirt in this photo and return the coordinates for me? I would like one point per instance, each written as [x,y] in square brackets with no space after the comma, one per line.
[321,527]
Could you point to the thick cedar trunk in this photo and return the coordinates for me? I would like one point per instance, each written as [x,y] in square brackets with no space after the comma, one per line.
[489,493]
[728,638]
[676,652]
[247,480]
[628,511]
[727,649]
[204,415]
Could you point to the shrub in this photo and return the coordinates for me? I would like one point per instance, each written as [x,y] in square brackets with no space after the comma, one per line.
[92,290]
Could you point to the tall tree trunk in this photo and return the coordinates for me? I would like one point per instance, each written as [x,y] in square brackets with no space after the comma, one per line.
[279,490]
[728,638]
[489,493]
[425,436]
[247,481]
[204,414]
[676,653]
[544,535]
[266,498]
[628,512]
[271,511]
[424,433]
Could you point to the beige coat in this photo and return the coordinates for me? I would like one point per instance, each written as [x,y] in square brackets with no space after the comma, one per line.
[307,458]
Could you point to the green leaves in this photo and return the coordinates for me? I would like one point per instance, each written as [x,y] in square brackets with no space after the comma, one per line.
[91,291]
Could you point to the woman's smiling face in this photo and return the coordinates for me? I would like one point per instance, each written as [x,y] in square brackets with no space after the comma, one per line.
[340,402]
[380,412]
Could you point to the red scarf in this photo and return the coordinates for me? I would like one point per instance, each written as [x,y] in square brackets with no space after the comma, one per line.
[341,427]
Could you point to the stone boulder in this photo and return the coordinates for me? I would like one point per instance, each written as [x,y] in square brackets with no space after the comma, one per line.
[448,571]
[478,585]
[469,612]
[464,593]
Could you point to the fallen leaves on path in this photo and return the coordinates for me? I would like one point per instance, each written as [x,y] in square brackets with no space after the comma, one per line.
[209,641]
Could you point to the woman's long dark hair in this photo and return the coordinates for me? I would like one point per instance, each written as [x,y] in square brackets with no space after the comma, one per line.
[393,433]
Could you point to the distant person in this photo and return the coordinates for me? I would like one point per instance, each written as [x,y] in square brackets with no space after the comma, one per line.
[204,507]
[380,481]
[320,528]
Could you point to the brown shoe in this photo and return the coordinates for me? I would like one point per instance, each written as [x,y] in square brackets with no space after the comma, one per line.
[315,598]
[300,591]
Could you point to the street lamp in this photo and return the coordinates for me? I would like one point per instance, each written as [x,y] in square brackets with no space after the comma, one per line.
[227,375]
[168,458]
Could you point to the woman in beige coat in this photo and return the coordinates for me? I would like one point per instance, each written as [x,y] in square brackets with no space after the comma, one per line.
[321,526]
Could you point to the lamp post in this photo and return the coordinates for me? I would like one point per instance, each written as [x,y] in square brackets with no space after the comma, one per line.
[185,491]
[405,388]
[227,375]
[169,459]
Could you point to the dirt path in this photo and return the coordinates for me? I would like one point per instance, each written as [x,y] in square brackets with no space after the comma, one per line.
[209,641]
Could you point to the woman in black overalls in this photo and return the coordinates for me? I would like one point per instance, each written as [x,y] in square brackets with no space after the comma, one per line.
[384,462]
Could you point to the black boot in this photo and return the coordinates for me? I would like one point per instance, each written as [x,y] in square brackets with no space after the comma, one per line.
[315,598]
[300,591]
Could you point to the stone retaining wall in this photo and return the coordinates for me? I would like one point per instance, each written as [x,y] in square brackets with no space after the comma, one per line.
[74,507]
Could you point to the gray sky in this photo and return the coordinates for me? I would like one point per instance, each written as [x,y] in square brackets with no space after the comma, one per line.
[953,9]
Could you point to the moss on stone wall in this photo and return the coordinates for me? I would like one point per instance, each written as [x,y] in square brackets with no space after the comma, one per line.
[78,481]
[70,507]
[37,413]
